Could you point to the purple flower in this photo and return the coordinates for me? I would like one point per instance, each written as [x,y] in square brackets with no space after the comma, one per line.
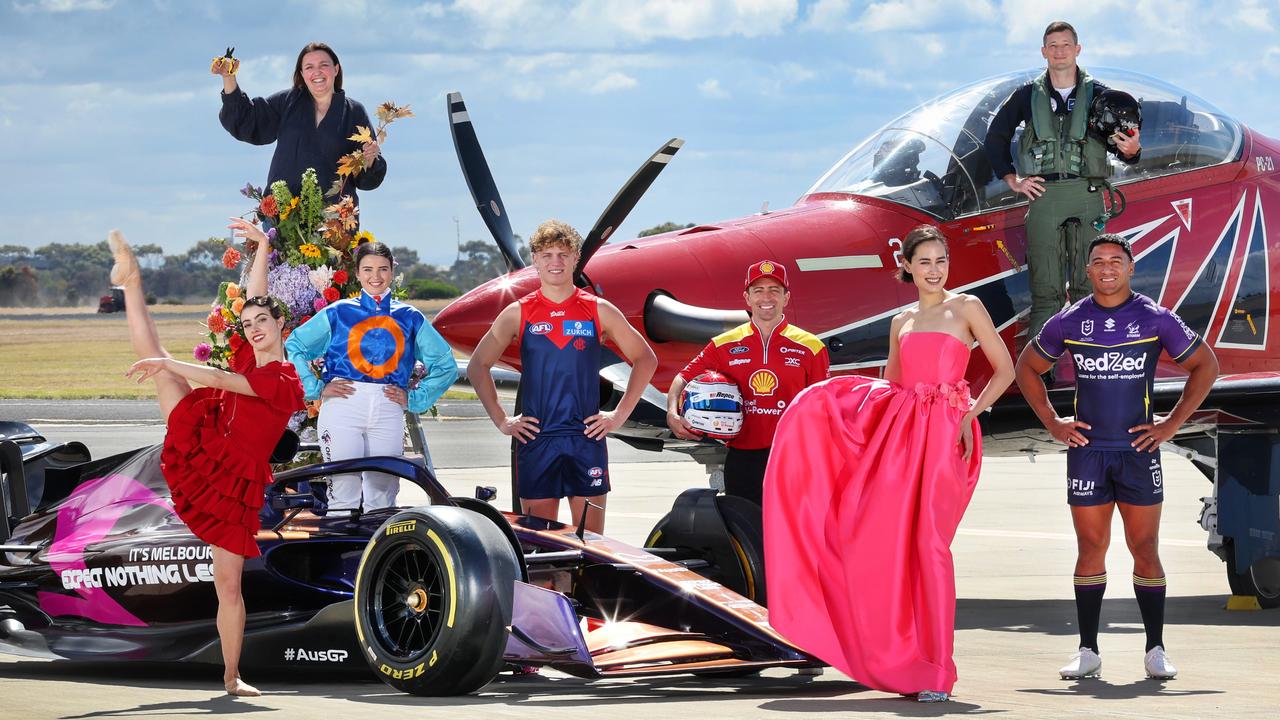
[271,234]
[203,352]
[291,284]
[251,192]
[319,303]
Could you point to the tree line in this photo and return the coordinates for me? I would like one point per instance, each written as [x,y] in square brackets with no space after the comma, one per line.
[76,274]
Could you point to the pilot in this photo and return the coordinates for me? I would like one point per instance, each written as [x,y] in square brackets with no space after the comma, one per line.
[560,330]
[771,361]
[1115,337]
[1061,170]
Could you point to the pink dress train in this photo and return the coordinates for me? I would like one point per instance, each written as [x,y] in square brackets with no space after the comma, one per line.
[865,488]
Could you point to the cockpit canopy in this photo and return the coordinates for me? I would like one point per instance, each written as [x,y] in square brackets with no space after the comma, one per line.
[932,158]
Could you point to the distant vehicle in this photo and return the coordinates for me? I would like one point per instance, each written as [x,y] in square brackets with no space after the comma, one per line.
[1197,209]
[113,302]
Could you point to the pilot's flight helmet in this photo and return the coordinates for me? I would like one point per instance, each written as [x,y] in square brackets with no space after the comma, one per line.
[1112,111]
[712,404]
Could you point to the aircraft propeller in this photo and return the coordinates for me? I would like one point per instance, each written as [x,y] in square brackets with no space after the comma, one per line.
[485,191]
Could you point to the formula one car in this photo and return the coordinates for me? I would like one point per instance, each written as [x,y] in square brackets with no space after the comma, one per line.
[435,599]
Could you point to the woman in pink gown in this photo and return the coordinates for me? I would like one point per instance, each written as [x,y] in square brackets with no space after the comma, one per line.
[867,483]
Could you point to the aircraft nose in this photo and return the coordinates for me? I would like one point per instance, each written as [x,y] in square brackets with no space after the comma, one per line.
[466,320]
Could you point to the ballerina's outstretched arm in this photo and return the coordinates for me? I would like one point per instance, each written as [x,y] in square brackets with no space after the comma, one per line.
[256,286]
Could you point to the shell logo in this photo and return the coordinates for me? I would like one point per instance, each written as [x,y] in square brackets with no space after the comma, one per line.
[766,268]
[763,382]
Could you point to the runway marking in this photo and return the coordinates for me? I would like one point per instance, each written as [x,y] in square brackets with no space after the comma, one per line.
[1034,535]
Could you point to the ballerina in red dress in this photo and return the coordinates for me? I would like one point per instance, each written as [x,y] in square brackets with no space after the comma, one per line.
[867,483]
[219,440]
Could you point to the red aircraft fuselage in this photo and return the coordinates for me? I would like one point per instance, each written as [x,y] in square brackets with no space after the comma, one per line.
[1202,239]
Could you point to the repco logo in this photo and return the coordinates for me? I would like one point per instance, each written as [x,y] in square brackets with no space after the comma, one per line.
[1110,361]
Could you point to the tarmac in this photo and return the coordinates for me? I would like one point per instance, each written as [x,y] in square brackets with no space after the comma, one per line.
[1015,626]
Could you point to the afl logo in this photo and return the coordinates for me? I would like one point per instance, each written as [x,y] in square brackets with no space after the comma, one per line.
[763,382]
[541,328]
[596,472]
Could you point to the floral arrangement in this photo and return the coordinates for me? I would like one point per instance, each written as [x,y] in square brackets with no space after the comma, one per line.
[313,248]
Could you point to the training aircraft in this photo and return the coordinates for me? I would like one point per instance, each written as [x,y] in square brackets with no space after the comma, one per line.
[1195,208]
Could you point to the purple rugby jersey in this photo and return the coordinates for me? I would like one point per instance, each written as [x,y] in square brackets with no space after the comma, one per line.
[1114,351]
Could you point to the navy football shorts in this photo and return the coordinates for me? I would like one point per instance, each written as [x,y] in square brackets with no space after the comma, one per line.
[557,466]
[1097,477]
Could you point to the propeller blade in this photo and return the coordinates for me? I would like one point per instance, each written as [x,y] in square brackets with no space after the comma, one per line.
[480,181]
[623,202]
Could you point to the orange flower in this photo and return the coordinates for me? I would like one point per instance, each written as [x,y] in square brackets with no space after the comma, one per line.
[216,322]
[237,305]
[233,292]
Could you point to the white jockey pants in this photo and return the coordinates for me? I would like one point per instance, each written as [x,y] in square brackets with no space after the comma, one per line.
[363,424]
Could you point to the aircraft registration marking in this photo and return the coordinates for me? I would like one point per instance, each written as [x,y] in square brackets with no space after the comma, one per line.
[1265,163]
[839,262]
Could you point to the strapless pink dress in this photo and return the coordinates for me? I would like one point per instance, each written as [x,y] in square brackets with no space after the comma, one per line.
[865,487]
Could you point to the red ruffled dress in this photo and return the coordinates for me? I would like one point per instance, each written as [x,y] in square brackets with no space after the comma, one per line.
[217,452]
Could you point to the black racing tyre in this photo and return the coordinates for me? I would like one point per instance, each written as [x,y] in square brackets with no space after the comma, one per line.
[745,523]
[1242,582]
[481,507]
[433,600]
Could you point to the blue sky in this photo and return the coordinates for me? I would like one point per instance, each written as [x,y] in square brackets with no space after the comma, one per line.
[109,114]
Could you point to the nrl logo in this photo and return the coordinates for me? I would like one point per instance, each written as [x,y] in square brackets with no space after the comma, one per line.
[1086,327]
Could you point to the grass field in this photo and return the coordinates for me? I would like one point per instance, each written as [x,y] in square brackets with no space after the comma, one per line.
[45,355]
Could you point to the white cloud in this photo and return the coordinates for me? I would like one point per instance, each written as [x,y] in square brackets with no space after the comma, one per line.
[711,88]
[608,23]
[63,6]
[1252,14]
[920,14]
[432,10]
[612,81]
[828,16]
[1176,23]
[866,76]
[593,73]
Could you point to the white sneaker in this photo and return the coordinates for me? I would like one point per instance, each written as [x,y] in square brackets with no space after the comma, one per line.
[1158,665]
[1085,663]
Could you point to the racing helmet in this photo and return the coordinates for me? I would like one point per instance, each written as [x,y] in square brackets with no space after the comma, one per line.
[712,404]
[1114,111]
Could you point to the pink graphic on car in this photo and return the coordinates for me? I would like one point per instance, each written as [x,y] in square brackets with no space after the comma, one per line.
[86,517]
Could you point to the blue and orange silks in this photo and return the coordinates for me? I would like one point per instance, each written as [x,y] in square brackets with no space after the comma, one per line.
[364,340]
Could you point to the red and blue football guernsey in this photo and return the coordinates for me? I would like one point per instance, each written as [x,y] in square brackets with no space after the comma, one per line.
[560,361]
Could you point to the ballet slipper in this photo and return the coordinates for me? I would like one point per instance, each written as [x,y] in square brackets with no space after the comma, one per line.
[125,271]
[240,688]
